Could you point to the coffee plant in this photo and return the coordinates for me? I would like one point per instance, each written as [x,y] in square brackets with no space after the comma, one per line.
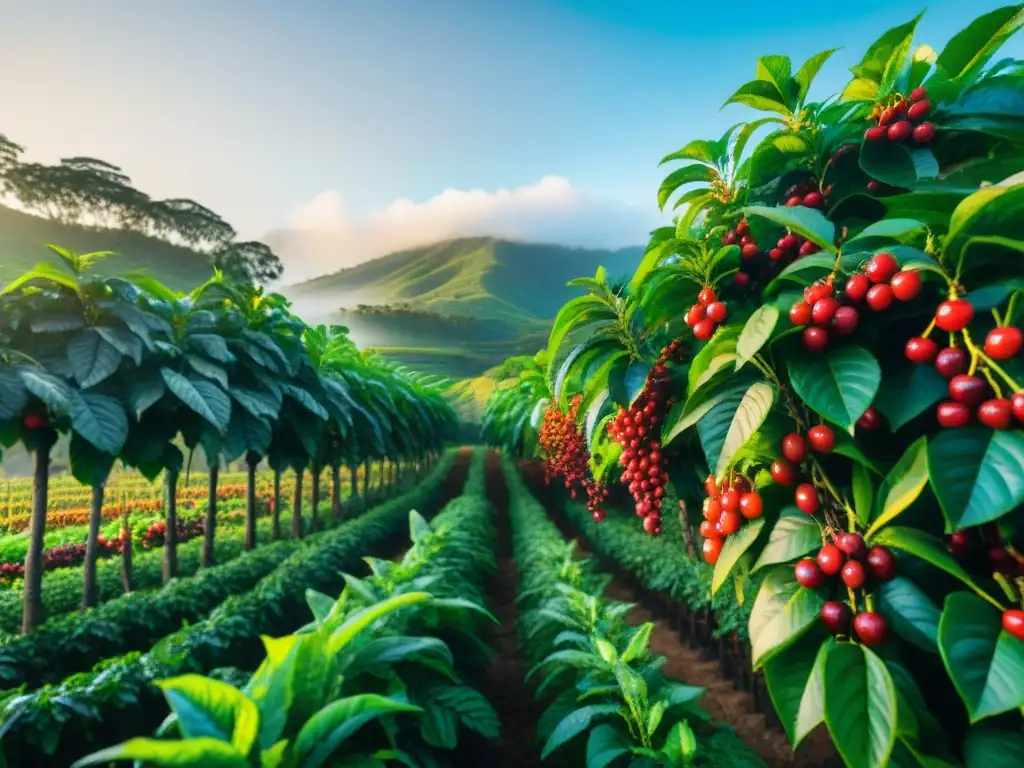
[133,372]
[842,297]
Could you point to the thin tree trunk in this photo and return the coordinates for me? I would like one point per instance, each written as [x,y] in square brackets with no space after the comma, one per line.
[353,476]
[210,521]
[32,613]
[684,519]
[89,595]
[336,491]
[170,569]
[275,513]
[315,493]
[297,506]
[366,481]
[250,500]
[127,582]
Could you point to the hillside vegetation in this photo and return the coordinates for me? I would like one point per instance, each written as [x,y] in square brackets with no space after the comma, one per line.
[23,238]
[459,307]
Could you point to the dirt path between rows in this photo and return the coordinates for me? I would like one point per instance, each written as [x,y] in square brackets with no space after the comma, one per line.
[721,700]
[503,684]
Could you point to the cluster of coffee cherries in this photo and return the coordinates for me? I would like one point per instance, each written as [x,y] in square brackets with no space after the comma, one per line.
[822,315]
[858,567]
[970,396]
[795,450]
[725,509]
[881,282]
[904,121]
[791,247]
[706,314]
[566,449]
[645,466]
[741,236]
[807,194]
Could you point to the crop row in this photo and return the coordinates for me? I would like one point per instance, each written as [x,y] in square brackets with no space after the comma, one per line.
[62,588]
[116,699]
[595,669]
[389,649]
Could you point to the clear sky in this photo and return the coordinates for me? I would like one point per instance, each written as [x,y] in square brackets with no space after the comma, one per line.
[256,107]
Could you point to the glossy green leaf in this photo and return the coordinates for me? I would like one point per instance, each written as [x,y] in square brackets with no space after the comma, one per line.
[783,611]
[186,753]
[794,680]
[755,334]
[680,745]
[211,708]
[863,494]
[98,419]
[750,414]
[908,392]
[903,484]
[985,662]
[605,745]
[688,174]
[839,385]
[975,474]
[860,705]
[793,536]
[735,547]
[326,730]
[92,358]
[574,724]
[910,612]
[987,747]
[971,48]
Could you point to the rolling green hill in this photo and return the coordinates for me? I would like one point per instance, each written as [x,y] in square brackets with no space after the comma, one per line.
[459,307]
[23,239]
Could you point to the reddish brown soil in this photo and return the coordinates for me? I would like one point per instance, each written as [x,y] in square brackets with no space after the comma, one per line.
[503,682]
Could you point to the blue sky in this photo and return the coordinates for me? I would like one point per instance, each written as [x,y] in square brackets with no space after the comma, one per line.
[256,107]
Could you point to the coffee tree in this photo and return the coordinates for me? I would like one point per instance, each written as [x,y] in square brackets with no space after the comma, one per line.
[135,372]
[824,355]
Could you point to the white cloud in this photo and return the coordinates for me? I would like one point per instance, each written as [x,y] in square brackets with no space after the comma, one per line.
[323,237]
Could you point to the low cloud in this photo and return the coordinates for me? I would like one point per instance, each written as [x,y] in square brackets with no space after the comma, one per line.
[323,237]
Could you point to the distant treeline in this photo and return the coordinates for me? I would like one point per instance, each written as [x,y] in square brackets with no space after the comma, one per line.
[92,192]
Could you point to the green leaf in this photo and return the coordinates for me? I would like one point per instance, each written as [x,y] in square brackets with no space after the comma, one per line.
[638,643]
[184,389]
[806,222]
[213,346]
[735,546]
[910,612]
[898,164]
[186,753]
[793,536]
[975,474]
[760,95]
[361,619]
[969,50]
[903,484]
[89,465]
[908,392]
[783,611]
[990,748]
[755,333]
[860,705]
[680,745]
[806,74]
[329,727]
[574,724]
[924,546]
[750,415]
[575,312]
[98,419]
[839,385]
[123,340]
[698,149]
[605,745]
[886,54]
[688,174]
[863,493]
[716,420]
[92,358]
[985,662]
[53,391]
[210,708]
[794,679]
[45,272]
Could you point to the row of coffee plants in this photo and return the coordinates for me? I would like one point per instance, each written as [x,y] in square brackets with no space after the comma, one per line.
[117,699]
[387,651]
[143,571]
[608,699]
[128,369]
[135,620]
[823,356]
